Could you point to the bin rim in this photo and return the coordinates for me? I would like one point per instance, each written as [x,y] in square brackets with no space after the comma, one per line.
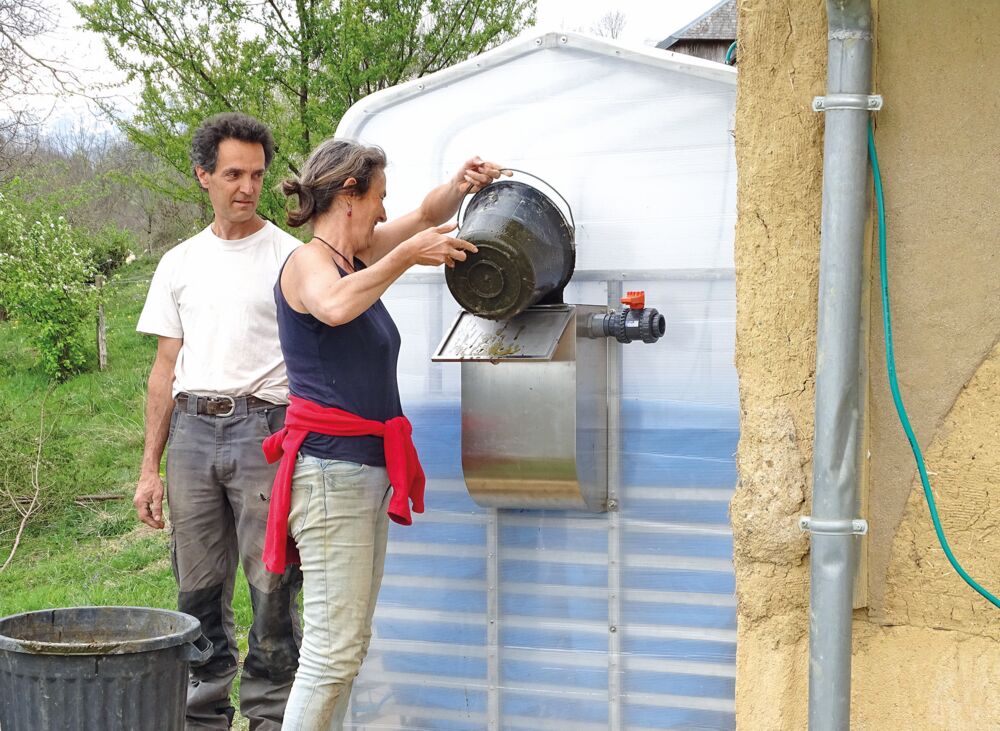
[191,630]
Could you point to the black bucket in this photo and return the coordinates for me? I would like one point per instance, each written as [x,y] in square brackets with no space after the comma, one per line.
[526,251]
[89,668]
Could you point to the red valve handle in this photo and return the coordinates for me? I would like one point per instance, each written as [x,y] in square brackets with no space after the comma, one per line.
[635,300]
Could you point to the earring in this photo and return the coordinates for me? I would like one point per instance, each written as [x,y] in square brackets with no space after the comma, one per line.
[349,210]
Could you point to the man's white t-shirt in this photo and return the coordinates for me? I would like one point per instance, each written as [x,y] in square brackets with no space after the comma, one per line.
[218,296]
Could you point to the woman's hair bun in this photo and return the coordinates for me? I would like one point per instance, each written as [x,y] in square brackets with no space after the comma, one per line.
[307,202]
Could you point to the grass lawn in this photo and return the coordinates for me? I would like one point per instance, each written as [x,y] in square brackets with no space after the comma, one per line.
[76,552]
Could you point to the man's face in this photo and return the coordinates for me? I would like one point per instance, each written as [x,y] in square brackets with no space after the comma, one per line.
[234,187]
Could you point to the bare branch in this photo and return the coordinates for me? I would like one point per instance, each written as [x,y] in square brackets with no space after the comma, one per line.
[610,25]
[33,505]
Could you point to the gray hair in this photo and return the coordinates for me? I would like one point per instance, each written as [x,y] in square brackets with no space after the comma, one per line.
[324,174]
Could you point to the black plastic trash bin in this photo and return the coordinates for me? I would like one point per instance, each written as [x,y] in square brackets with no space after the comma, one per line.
[90,668]
[526,255]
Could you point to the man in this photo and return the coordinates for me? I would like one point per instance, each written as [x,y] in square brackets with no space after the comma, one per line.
[216,390]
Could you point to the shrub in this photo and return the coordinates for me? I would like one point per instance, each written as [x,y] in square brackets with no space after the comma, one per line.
[44,270]
[110,248]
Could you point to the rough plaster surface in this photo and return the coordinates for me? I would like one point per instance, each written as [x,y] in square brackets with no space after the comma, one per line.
[920,678]
[779,158]
[772,677]
[902,678]
[965,461]
[938,147]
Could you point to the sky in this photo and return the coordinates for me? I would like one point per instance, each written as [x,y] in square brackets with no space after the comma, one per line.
[646,23]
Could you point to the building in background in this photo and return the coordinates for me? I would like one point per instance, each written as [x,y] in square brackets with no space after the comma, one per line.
[708,36]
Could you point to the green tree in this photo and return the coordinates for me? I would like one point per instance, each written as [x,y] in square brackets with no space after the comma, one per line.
[103,185]
[295,64]
[44,272]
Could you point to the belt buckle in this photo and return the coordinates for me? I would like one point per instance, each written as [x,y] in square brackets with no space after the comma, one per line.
[230,399]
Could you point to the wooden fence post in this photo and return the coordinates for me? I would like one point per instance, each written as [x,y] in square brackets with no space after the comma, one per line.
[102,329]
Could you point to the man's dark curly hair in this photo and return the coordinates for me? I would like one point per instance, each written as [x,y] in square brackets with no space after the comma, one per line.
[227,126]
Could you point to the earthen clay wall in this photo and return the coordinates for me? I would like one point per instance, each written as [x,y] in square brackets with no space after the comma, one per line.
[925,654]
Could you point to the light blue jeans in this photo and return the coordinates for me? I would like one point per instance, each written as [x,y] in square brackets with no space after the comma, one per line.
[338,520]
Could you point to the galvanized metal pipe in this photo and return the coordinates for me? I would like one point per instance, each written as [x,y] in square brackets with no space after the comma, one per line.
[616,719]
[492,619]
[835,448]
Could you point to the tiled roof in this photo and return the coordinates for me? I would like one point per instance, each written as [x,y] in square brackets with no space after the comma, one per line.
[719,23]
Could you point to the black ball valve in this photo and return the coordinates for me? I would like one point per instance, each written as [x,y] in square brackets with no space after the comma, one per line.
[634,321]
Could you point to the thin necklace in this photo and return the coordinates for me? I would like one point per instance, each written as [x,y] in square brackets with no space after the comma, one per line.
[350,264]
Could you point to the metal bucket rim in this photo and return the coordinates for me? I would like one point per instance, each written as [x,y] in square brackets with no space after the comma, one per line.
[125,646]
[571,227]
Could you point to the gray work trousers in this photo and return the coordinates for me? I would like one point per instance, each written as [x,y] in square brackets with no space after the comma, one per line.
[218,492]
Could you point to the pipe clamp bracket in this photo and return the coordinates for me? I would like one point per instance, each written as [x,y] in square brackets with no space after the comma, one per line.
[862,102]
[846,527]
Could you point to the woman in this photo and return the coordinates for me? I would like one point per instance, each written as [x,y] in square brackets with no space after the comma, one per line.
[345,437]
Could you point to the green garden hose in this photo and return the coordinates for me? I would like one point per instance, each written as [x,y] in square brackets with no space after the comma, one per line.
[897,399]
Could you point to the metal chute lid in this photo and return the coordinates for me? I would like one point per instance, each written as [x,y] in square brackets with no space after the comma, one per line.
[530,336]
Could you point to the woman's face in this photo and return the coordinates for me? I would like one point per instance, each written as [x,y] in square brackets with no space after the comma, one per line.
[369,210]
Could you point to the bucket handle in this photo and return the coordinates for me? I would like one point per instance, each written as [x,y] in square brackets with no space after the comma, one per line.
[199,655]
[572,222]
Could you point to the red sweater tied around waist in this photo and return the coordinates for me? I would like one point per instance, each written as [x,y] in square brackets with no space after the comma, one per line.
[303,416]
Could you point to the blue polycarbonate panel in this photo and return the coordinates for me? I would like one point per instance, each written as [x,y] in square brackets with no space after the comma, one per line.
[685,615]
[547,605]
[680,580]
[678,614]
[442,666]
[568,708]
[696,686]
[700,650]
[523,535]
[452,600]
[531,633]
[542,671]
[637,716]
[434,529]
[432,699]
[546,575]
[423,626]
[639,540]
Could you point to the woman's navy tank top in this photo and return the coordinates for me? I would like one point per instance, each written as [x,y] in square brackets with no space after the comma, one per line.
[350,367]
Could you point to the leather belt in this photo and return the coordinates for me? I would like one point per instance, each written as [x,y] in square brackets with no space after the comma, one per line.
[221,405]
